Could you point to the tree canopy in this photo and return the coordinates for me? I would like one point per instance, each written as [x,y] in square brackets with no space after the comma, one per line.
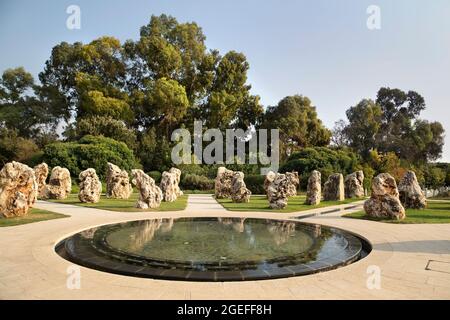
[392,124]
[299,126]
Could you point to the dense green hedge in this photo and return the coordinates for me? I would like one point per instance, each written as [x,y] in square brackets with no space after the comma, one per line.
[255,183]
[156,175]
[325,160]
[90,152]
[196,182]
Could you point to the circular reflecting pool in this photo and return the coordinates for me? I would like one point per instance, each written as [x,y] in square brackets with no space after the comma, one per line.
[213,249]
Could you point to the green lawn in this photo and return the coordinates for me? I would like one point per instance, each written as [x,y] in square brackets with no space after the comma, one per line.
[260,203]
[34,215]
[436,212]
[125,205]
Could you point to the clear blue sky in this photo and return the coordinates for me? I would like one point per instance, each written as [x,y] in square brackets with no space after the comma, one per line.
[321,49]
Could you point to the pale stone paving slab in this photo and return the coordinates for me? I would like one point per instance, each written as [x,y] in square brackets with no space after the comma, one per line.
[204,203]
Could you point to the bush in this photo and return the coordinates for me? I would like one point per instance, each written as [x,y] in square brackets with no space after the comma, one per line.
[90,152]
[434,177]
[156,175]
[255,183]
[35,159]
[325,160]
[16,148]
[196,182]
[107,127]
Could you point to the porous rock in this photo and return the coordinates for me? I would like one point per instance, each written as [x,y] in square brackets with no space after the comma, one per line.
[169,184]
[177,173]
[384,201]
[411,195]
[277,192]
[354,187]
[118,184]
[333,190]
[294,181]
[239,191]
[270,176]
[150,195]
[222,184]
[90,186]
[314,190]
[41,173]
[59,185]
[18,190]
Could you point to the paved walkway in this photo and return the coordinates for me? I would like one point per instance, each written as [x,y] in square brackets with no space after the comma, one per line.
[30,269]
[204,203]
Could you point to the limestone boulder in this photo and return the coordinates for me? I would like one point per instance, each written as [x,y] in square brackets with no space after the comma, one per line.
[90,186]
[150,195]
[222,184]
[59,185]
[384,201]
[118,184]
[314,190]
[41,173]
[411,195]
[177,173]
[239,191]
[270,176]
[277,192]
[18,190]
[294,181]
[354,185]
[333,190]
[169,186]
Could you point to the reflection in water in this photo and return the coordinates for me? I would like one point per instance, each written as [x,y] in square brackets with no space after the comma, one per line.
[317,230]
[227,240]
[281,230]
[238,223]
[146,231]
[89,234]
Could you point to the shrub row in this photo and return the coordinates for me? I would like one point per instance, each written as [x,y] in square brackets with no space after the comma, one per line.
[90,152]
[255,183]
[196,182]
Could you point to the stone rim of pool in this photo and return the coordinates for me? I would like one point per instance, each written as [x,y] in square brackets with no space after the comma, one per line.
[95,248]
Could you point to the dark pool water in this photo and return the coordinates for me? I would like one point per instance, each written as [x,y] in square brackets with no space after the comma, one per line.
[213,249]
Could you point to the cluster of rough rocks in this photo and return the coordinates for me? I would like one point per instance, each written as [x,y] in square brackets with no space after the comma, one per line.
[389,201]
[21,185]
[230,184]
[336,188]
[279,187]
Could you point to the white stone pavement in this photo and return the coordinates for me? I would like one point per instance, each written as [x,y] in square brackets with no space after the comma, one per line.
[30,269]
